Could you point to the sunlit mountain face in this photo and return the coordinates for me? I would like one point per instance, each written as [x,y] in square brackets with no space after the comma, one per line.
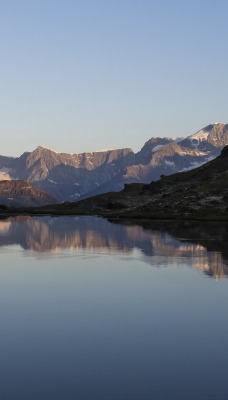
[47,237]
[71,177]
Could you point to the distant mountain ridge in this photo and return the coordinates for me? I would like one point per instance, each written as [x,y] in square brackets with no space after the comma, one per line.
[71,177]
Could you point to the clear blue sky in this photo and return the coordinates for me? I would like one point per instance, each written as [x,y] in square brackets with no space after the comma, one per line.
[81,75]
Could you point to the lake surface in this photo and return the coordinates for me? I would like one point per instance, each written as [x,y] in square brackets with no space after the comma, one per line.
[91,309]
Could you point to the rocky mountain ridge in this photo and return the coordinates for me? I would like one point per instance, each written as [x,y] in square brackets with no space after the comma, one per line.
[20,193]
[197,194]
[72,177]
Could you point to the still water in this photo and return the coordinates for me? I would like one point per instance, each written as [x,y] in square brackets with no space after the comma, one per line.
[91,309]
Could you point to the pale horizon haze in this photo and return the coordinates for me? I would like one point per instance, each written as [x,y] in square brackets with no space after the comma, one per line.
[87,75]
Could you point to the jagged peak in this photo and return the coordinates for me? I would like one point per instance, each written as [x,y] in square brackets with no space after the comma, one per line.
[211,126]
[43,148]
[46,148]
[204,133]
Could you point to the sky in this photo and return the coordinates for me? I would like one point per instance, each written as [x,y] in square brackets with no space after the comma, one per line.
[84,75]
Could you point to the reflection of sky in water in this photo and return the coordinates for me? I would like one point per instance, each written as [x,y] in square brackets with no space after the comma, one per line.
[99,323]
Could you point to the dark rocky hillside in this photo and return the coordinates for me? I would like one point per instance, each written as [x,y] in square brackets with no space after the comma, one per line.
[20,193]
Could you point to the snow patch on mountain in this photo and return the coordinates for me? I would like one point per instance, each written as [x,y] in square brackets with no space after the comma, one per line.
[75,196]
[201,135]
[193,165]
[4,174]
[159,146]
[178,139]
[169,162]
[103,150]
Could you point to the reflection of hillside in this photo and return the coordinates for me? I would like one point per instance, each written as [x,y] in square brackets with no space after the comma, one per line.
[212,264]
[50,234]
[206,244]
[4,227]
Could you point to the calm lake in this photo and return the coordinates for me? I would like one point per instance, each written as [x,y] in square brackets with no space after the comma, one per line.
[91,309]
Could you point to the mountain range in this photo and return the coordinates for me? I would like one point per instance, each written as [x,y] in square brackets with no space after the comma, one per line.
[198,194]
[72,177]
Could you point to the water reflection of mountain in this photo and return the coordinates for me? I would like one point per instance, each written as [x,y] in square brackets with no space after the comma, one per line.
[204,245]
